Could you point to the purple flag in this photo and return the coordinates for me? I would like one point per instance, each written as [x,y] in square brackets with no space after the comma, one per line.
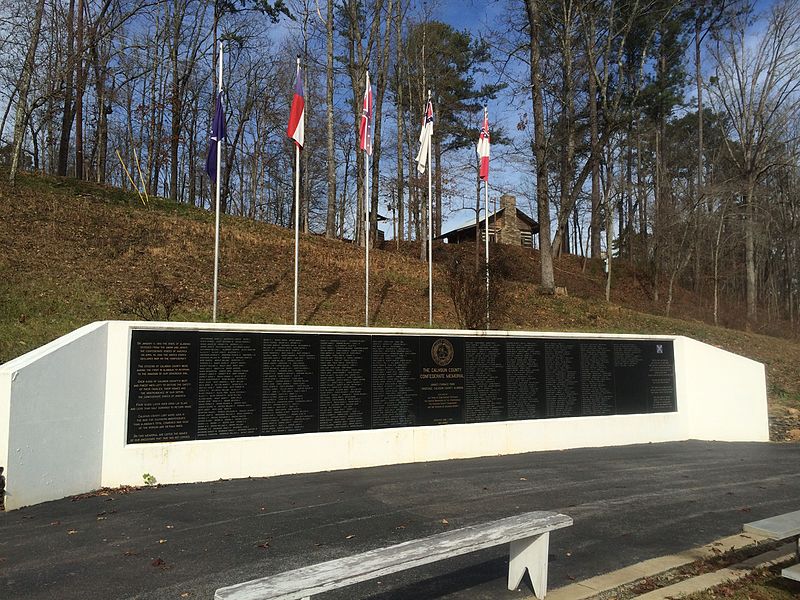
[217,134]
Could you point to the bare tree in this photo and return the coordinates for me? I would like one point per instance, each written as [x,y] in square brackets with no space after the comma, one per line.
[757,86]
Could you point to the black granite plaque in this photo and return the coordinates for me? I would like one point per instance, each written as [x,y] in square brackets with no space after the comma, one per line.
[525,378]
[441,380]
[484,380]
[290,381]
[344,382]
[162,397]
[395,380]
[631,387]
[597,378]
[562,378]
[188,385]
[229,385]
[661,376]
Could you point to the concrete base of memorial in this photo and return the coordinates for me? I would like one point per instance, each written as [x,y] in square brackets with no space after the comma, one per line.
[64,417]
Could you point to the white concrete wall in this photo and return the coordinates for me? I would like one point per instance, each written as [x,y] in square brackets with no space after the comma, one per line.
[52,402]
[720,396]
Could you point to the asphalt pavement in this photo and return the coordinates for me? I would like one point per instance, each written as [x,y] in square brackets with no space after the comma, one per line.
[628,503]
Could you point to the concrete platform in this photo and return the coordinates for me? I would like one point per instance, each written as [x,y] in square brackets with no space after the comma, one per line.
[629,504]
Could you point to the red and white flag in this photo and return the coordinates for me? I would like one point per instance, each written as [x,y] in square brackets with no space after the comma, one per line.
[483,147]
[425,137]
[365,129]
[297,117]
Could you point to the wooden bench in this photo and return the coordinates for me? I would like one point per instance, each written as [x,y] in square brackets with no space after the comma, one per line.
[782,527]
[528,535]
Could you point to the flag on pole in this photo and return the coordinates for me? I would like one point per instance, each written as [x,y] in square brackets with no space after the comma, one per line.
[297,116]
[365,129]
[425,137]
[217,135]
[483,146]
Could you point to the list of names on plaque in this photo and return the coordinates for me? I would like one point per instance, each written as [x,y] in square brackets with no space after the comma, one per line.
[561,359]
[187,385]
[525,379]
[160,405]
[597,383]
[484,380]
[630,378]
[228,401]
[289,384]
[344,386]
[394,381]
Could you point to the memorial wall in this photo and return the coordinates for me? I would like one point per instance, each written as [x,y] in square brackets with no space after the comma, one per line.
[198,385]
[188,402]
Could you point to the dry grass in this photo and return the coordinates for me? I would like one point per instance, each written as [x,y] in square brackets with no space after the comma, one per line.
[73,253]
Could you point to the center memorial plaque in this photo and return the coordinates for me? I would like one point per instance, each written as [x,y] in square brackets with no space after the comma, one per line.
[195,385]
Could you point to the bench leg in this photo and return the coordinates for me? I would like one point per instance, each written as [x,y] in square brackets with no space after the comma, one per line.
[531,554]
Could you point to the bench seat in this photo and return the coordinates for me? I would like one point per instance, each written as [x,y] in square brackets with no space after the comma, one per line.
[528,535]
[781,527]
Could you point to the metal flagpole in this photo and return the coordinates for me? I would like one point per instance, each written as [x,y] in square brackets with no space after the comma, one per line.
[216,225]
[366,230]
[296,226]
[486,211]
[430,229]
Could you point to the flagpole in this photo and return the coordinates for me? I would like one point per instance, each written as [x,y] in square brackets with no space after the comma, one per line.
[296,217]
[366,245]
[430,232]
[486,213]
[216,224]
[296,226]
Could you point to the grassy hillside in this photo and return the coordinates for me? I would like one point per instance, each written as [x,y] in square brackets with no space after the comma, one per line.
[73,253]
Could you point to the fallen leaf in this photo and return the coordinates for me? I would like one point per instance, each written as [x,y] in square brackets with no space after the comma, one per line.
[158,562]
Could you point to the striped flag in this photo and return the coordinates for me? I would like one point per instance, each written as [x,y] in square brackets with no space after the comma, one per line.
[365,129]
[297,116]
[425,137]
[483,146]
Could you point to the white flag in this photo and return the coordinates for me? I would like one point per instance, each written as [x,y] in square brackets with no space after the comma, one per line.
[425,137]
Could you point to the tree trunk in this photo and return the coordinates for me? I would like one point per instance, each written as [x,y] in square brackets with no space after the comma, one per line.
[750,252]
[330,216]
[400,125]
[66,120]
[542,202]
[21,118]
[594,157]
[80,86]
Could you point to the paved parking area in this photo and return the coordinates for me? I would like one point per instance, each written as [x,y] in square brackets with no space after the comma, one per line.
[184,541]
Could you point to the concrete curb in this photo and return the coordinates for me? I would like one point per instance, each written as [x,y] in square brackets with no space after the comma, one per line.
[728,574]
[648,568]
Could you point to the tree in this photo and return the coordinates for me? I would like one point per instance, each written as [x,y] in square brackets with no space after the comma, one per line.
[757,86]
[539,146]
[450,65]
